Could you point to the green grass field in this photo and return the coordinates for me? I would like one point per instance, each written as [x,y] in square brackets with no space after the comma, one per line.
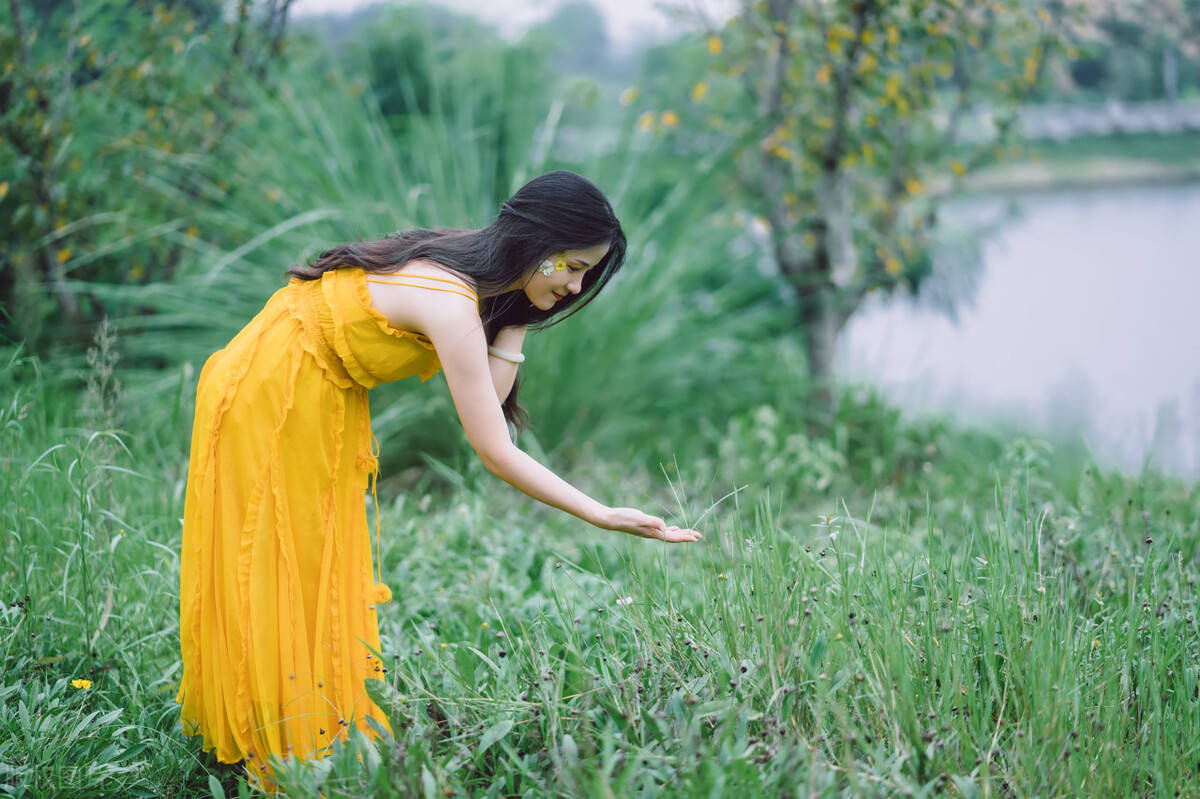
[982,618]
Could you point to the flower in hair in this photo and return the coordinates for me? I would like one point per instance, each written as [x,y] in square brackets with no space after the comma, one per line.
[550,266]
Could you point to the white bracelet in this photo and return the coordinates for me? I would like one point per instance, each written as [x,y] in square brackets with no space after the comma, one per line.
[512,357]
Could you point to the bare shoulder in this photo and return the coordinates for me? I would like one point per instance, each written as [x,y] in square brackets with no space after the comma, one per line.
[426,268]
[424,297]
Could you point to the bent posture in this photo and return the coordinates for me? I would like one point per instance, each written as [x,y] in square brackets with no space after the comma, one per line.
[278,601]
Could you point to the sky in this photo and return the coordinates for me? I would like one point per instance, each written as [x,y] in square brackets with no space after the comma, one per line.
[629,21]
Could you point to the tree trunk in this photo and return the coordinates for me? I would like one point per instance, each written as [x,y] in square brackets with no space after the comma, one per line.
[820,320]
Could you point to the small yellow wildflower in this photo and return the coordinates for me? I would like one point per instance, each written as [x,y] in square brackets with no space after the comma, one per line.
[192,232]
[868,37]
[699,91]
[914,186]
[628,95]
[443,646]
[892,265]
[958,167]
[82,685]
[714,45]
[84,39]
[809,239]
[825,123]
[893,35]
[273,194]
[670,118]
[176,45]
[824,73]
[3,189]
[64,254]
[485,625]
[646,121]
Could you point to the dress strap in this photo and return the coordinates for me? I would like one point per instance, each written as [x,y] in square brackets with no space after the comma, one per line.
[462,289]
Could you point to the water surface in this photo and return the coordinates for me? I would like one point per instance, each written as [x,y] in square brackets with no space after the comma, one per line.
[1085,321]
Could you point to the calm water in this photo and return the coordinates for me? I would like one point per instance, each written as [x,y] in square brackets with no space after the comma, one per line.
[1085,321]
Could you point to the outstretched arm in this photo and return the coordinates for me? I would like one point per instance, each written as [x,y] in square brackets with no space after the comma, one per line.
[504,373]
[456,332]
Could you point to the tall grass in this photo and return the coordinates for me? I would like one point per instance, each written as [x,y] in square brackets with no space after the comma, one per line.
[1040,642]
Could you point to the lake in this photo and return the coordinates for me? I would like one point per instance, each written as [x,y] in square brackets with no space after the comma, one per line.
[1079,315]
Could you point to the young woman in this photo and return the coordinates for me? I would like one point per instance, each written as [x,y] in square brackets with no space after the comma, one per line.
[278,600]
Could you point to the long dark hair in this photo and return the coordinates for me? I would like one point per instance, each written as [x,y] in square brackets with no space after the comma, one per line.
[554,212]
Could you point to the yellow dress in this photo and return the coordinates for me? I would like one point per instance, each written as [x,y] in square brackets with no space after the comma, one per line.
[277,595]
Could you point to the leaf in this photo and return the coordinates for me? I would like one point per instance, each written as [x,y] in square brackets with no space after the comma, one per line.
[493,734]
[214,787]
[570,751]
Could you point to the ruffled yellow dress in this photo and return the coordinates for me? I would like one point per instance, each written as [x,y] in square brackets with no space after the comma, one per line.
[277,594]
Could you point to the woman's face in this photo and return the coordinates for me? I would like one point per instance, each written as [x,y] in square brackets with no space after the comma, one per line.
[546,290]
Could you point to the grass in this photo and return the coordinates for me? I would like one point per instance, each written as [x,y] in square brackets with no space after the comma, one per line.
[993,623]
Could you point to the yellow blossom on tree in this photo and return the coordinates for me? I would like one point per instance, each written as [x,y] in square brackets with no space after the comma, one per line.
[628,95]
[868,37]
[3,189]
[714,45]
[809,239]
[893,35]
[193,231]
[670,118]
[892,265]
[824,73]
[84,39]
[783,152]
[646,121]
[892,87]
[958,167]
[699,91]
[868,63]
[914,186]
[82,685]
[64,254]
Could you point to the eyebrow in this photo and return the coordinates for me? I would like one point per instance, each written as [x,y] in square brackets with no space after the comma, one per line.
[585,264]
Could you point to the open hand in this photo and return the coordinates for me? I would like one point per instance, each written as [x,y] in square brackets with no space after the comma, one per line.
[634,522]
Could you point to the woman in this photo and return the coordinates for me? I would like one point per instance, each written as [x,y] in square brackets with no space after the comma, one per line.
[277,597]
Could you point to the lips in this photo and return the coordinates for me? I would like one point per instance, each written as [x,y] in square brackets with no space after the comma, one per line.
[558,296]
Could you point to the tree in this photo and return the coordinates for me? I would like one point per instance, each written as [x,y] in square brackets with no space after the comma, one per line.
[99,100]
[848,117]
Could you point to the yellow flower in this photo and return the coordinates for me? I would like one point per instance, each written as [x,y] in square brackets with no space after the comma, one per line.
[809,239]
[714,45]
[64,254]
[868,37]
[485,624]
[892,266]
[82,685]
[823,73]
[825,122]
[670,118]
[892,88]
[443,646]
[699,91]
[84,39]
[958,167]
[914,186]
[273,194]
[646,121]
[3,189]
[628,96]
[893,35]
[193,232]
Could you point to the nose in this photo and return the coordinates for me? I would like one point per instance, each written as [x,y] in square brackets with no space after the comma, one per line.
[576,285]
